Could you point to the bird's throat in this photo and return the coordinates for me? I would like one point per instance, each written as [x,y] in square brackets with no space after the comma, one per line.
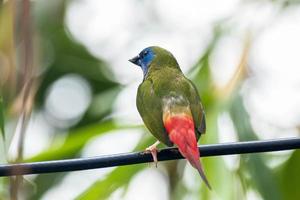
[145,70]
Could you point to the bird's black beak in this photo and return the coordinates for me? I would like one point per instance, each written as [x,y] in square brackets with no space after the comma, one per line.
[135,60]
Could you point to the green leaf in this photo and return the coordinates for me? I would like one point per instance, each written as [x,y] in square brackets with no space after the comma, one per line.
[2,129]
[289,177]
[118,178]
[104,188]
[76,141]
[261,176]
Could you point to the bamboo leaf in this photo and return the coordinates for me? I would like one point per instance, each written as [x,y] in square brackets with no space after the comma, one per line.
[261,176]
[118,178]
[104,188]
[289,177]
[76,141]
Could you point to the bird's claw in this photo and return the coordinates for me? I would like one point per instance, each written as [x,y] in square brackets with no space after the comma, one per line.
[153,150]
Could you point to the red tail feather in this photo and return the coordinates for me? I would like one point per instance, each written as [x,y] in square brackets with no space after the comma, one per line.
[181,132]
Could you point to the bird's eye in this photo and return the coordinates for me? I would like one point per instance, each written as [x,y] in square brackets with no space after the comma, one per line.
[144,53]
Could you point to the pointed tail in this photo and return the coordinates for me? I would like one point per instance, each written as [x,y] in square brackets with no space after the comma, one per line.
[181,132]
[201,172]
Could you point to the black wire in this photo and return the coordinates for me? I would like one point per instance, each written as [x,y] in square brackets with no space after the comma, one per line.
[142,157]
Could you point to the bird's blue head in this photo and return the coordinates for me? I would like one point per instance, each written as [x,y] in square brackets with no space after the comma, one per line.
[144,59]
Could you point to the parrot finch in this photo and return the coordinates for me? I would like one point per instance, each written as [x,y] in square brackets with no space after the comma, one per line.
[169,105]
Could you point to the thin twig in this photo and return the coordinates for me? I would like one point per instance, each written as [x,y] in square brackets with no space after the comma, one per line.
[26,66]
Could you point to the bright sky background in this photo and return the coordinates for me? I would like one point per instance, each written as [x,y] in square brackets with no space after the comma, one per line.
[116,30]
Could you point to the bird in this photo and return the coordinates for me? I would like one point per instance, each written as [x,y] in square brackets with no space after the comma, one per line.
[170,105]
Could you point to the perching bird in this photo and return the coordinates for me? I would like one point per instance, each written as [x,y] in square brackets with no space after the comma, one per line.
[169,105]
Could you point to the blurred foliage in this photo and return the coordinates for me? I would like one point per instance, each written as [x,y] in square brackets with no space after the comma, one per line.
[261,177]
[58,54]
[76,140]
[2,118]
[118,178]
[62,55]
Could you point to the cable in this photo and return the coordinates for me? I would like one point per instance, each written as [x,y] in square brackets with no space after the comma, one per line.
[143,157]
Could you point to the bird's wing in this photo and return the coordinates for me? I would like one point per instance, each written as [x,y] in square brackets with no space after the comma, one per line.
[190,92]
[150,109]
[185,87]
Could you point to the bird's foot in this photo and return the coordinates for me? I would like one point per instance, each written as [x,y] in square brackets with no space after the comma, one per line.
[153,150]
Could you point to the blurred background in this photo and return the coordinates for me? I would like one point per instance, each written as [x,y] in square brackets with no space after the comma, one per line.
[68,90]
